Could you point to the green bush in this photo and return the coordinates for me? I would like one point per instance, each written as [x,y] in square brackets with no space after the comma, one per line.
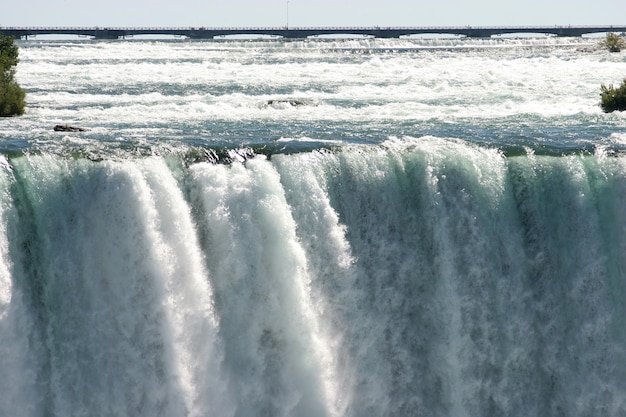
[613,98]
[12,99]
[11,94]
[613,42]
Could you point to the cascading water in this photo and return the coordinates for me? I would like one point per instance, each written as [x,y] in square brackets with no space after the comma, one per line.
[421,277]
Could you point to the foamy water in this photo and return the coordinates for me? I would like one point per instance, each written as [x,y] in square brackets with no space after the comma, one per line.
[239,93]
[345,228]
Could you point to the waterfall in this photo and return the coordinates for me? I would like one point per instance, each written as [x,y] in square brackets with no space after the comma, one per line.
[419,278]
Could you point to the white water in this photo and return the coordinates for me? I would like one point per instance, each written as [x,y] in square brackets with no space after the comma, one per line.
[423,277]
[356,91]
[406,86]
[459,251]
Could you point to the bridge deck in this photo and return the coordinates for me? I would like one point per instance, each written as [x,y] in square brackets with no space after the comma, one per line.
[305,32]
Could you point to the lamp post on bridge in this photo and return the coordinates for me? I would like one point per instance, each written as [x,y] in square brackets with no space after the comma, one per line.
[287,15]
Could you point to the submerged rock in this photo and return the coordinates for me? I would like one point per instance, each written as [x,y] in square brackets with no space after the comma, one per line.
[67,128]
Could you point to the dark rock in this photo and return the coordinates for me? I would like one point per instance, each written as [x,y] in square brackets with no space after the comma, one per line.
[291,102]
[67,128]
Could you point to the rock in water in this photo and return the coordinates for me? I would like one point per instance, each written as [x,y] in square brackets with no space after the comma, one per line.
[290,102]
[67,128]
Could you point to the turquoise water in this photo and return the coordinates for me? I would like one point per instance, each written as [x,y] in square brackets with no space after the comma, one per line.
[410,228]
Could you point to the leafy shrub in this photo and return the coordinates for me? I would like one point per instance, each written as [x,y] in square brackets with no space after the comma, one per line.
[613,98]
[613,42]
[11,99]
[11,94]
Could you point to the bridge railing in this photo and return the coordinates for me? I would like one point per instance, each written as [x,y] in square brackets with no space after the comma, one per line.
[229,28]
[112,32]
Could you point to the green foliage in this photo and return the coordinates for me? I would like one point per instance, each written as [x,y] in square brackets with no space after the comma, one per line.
[11,94]
[613,42]
[8,52]
[613,98]
[11,99]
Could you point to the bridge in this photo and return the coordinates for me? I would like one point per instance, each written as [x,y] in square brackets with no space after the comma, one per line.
[306,32]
